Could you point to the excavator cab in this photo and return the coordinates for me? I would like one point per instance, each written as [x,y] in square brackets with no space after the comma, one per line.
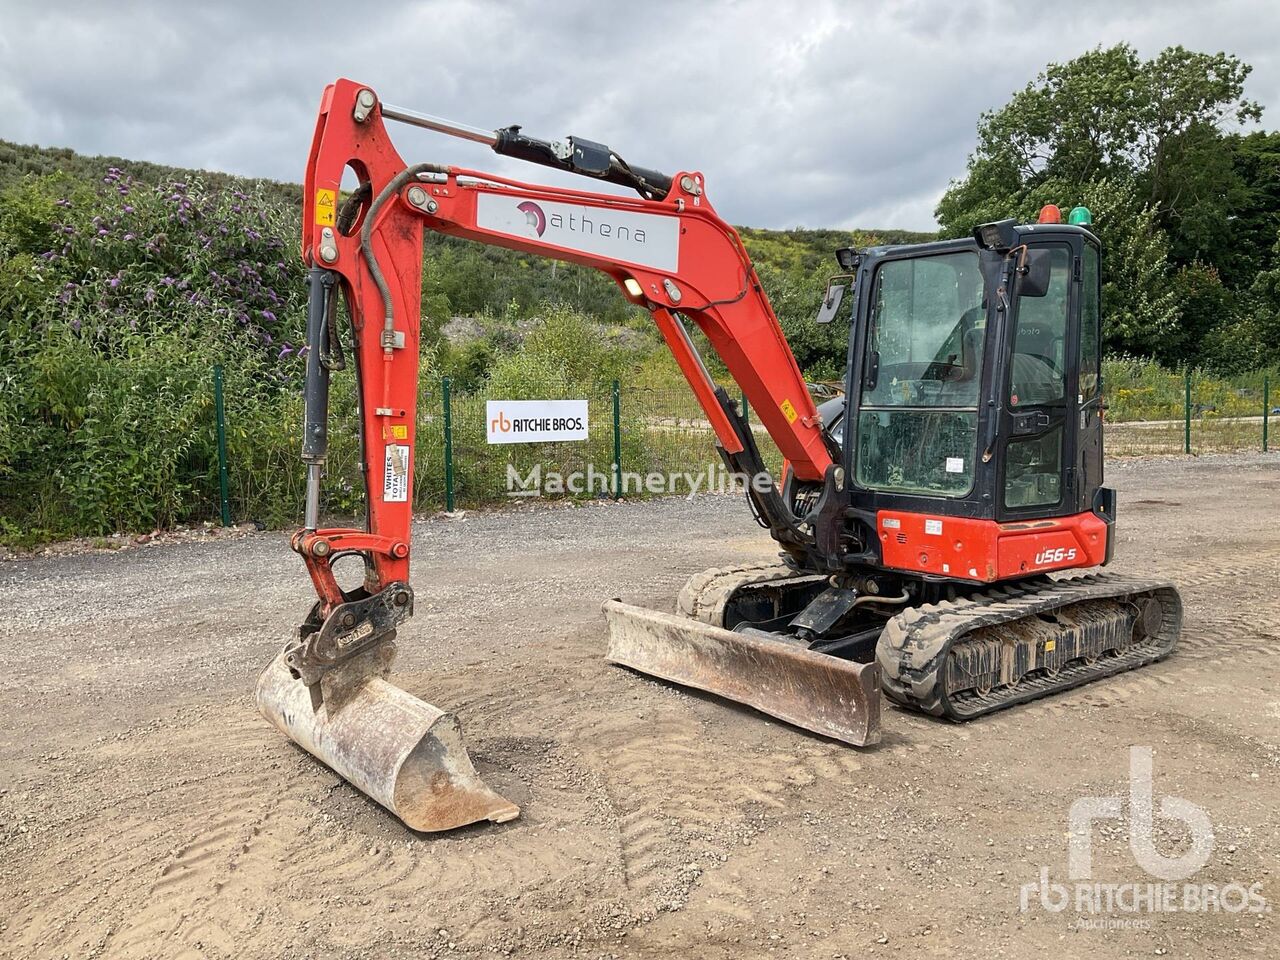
[974,389]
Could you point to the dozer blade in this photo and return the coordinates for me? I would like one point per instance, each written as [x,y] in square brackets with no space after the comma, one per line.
[814,691]
[402,752]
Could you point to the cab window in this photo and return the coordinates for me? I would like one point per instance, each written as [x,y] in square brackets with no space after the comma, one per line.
[917,426]
[1038,369]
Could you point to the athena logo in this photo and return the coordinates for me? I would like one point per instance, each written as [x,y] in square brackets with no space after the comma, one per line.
[1141,816]
[534,216]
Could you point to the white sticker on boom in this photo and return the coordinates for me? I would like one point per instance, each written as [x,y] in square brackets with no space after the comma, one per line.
[395,479]
[955,464]
[891,523]
[934,527]
[651,240]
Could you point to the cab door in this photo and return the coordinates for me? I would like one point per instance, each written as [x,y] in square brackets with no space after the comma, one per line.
[1038,449]
[1089,379]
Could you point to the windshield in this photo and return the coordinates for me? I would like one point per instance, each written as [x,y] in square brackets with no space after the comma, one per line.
[917,426]
[926,332]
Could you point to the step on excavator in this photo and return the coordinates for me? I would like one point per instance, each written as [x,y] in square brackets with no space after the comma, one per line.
[924,519]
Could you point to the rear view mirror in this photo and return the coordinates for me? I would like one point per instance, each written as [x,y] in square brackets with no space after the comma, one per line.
[836,290]
[1036,273]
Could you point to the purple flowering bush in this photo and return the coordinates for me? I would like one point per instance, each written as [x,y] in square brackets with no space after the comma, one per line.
[117,298]
[135,258]
[119,295]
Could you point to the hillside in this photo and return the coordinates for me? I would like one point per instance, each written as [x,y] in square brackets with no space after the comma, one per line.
[794,250]
[22,160]
[123,284]
[493,279]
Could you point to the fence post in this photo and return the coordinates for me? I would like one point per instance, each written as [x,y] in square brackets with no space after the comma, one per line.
[1266,410]
[617,440]
[220,413]
[448,444]
[1186,414]
[746,409]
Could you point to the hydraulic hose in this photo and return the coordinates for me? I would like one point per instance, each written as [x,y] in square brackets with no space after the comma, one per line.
[366,242]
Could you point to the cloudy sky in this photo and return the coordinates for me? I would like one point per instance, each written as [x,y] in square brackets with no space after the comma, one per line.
[800,114]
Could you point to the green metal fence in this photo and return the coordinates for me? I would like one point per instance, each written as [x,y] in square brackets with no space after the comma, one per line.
[639,432]
[1168,412]
[635,437]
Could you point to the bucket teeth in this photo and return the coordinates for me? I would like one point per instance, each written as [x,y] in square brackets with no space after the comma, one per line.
[404,753]
[814,691]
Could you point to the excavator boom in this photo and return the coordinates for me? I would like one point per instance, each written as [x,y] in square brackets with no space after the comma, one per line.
[670,253]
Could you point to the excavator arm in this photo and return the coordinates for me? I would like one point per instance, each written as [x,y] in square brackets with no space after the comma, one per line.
[674,256]
[667,250]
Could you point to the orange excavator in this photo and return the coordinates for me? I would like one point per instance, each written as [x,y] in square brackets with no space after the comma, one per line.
[918,517]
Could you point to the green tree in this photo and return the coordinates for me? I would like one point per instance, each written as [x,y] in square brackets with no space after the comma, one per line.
[1184,99]
[1196,192]
[1140,143]
[1206,301]
[1254,217]
[1105,114]
[820,349]
[1141,306]
[1262,328]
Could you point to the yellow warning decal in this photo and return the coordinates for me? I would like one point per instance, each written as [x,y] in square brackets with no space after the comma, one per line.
[396,431]
[325,208]
[1049,645]
[789,411]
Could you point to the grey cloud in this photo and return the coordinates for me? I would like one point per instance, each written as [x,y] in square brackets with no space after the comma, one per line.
[799,113]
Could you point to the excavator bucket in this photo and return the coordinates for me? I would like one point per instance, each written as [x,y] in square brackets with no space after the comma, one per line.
[815,691]
[404,753]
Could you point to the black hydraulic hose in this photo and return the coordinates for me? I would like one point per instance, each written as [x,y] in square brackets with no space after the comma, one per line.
[359,392]
[767,503]
[350,208]
[366,240]
[651,184]
[332,356]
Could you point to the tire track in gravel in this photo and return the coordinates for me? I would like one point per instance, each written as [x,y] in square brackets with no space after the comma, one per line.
[680,793]
[191,859]
[669,802]
[666,781]
[144,844]
[644,789]
[661,778]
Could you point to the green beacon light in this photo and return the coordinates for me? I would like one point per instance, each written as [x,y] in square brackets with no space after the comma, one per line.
[1080,217]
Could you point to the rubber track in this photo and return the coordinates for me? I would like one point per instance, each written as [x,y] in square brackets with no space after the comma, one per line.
[912,650]
[705,594]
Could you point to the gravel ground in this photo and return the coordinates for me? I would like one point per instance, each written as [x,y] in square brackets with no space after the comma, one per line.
[147,811]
